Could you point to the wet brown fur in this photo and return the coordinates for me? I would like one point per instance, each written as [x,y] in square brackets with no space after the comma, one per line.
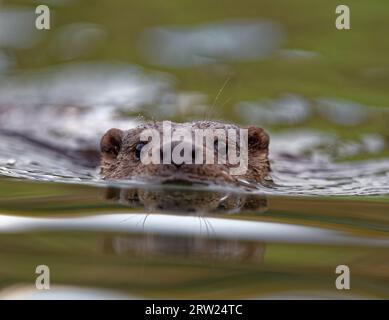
[118,160]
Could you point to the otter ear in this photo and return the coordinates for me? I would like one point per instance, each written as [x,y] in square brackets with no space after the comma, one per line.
[110,144]
[258,139]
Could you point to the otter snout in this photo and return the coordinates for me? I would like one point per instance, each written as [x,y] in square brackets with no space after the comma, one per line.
[180,152]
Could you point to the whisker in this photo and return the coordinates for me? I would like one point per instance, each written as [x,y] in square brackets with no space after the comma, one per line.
[208,112]
[210,225]
[128,218]
[206,226]
[144,221]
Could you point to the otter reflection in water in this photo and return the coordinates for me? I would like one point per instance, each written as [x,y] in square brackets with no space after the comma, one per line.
[198,203]
[198,248]
[185,200]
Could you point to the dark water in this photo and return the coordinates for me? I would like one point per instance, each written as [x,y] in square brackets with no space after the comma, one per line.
[321,95]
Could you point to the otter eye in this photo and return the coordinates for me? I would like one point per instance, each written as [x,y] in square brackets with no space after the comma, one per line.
[138,149]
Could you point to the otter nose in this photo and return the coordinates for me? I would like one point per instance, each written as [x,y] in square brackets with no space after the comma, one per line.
[181,152]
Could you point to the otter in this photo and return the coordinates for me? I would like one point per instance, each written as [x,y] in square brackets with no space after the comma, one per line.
[120,156]
[120,159]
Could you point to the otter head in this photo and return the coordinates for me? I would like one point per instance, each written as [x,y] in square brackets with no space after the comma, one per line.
[121,153]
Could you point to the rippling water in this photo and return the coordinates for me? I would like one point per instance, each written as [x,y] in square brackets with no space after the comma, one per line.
[294,173]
